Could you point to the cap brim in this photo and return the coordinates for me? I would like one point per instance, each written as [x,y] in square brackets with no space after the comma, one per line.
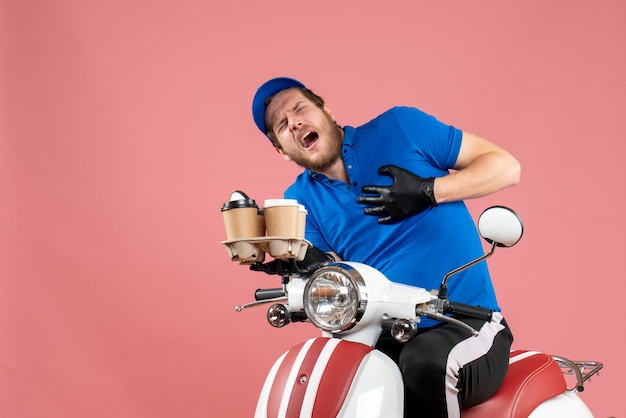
[268,89]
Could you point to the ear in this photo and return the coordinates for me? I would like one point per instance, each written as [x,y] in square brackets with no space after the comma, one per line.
[282,154]
[328,110]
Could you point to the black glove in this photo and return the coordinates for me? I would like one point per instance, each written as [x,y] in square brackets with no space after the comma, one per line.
[409,194]
[314,259]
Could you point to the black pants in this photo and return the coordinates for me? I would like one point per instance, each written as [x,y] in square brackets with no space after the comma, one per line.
[446,369]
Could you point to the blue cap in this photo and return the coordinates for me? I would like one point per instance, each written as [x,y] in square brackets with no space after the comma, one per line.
[268,89]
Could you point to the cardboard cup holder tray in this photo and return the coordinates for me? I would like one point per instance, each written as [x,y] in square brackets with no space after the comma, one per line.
[250,250]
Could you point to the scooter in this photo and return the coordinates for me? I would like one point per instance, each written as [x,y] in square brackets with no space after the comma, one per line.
[341,374]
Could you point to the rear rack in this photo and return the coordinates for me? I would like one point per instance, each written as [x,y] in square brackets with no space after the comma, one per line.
[581,370]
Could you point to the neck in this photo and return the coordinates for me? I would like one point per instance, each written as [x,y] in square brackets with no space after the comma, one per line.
[337,171]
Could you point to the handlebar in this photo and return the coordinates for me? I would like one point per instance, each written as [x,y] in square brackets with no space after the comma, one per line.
[468,311]
[265,294]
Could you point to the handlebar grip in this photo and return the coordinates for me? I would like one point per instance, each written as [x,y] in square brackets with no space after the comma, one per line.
[469,311]
[264,294]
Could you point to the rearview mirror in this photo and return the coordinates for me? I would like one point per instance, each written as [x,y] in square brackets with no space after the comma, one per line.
[500,225]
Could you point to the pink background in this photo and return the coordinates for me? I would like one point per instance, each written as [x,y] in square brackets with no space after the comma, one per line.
[125,125]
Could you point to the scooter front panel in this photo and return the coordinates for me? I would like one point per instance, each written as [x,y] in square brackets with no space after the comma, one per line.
[316,379]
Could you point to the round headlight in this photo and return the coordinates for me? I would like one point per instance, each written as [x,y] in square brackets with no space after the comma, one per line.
[335,298]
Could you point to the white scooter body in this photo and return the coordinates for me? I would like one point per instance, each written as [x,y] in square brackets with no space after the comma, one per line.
[346,377]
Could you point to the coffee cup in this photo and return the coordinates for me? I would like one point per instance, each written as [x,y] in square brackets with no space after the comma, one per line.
[242,217]
[281,217]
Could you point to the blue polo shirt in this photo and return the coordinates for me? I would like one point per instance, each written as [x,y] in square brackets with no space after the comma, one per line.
[419,250]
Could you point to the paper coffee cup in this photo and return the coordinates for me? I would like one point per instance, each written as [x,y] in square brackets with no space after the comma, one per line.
[281,217]
[242,217]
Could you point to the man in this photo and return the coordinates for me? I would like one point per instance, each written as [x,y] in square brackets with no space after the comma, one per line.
[390,194]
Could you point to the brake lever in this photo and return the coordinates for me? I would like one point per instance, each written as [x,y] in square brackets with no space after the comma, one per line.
[440,317]
[260,302]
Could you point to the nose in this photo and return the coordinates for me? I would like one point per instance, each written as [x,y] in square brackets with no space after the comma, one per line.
[294,122]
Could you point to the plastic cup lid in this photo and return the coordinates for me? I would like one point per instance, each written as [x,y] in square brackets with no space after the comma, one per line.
[280,202]
[239,199]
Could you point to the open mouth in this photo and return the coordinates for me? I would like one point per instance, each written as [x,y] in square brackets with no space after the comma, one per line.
[309,139]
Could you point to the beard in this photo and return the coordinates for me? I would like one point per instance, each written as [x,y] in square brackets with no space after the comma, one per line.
[320,162]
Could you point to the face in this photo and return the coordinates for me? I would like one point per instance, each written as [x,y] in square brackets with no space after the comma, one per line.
[308,135]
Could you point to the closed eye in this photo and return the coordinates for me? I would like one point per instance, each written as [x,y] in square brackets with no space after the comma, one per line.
[299,106]
[280,126]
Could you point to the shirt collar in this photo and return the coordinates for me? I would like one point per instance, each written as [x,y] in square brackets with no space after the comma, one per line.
[349,135]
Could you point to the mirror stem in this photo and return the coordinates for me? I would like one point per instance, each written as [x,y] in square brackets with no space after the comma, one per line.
[443,289]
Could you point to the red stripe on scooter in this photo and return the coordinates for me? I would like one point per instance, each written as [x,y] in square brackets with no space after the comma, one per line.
[337,378]
[281,380]
[300,385]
